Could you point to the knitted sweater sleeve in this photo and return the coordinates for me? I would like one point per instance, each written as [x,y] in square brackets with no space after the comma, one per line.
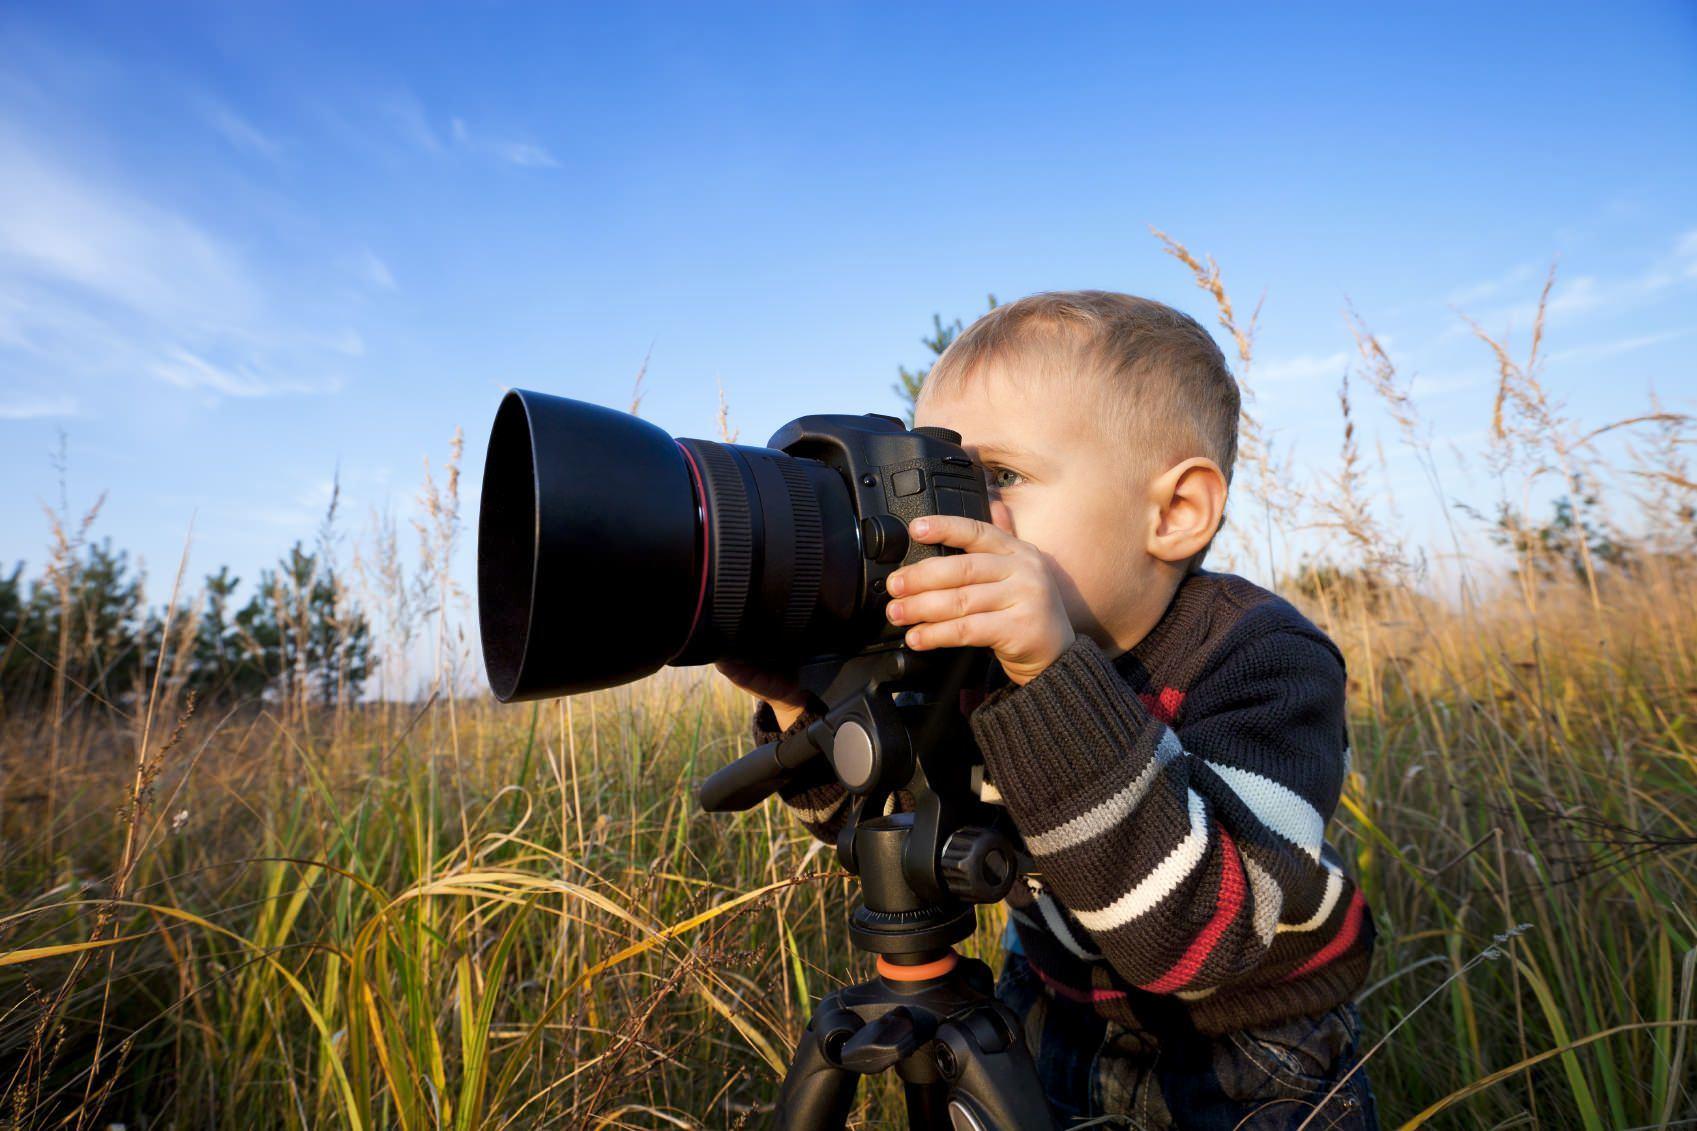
[1180,848]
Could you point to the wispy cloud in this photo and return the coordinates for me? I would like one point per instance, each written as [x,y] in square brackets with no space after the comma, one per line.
[36,408]
[525,154]
[1489,288]
[373,271]
[1306,367]
[397,120]
[187,370]
[1614,348]
[522,153]
[1583,294]
[98,282]
[1678,266]
[61,228]
[238,131]
[1437,385]
[411,121]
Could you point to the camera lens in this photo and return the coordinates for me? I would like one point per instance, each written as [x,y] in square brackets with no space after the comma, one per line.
[607,549]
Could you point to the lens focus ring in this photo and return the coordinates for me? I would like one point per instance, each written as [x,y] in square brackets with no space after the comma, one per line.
[731,535]
[809,548]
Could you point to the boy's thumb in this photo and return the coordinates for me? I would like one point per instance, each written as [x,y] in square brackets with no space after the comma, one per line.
[1001,516]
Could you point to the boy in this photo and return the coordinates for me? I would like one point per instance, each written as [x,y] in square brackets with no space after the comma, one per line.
[1169,741]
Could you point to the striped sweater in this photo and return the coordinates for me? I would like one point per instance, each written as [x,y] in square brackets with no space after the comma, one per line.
[1173,801]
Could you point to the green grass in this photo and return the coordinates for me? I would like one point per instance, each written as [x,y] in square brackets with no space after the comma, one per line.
[470,915]
[515,916]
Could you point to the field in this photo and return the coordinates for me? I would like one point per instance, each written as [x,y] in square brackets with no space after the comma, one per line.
[454,913]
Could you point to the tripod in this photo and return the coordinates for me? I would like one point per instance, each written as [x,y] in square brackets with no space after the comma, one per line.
[930,1014]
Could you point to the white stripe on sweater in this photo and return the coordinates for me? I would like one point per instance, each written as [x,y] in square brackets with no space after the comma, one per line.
[1111,812]
[1058,927]
[1269,900]
[1279,807]
[1157,884]
[814,816]
[1334,887]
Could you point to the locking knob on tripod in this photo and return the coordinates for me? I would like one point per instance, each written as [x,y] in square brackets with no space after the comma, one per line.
[977,865]
[881,1043]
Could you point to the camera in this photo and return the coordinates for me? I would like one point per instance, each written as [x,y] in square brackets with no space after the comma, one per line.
[608,549]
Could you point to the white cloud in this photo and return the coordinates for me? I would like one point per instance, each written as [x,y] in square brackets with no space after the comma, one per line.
[1486,288]
[373,270]
[187,370]
[1582,294]
[1424,386]
[1678,266]
[399,116]
[238,131]
[524,154]
[36,408]
[1307,367]
[410,120]
[100,283]
[1618,346]
[61,228]
[348,342]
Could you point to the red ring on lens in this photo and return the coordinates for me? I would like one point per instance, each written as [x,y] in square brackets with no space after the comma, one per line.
[706,538]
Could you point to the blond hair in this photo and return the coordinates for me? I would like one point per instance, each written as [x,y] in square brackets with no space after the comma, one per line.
[1150,374]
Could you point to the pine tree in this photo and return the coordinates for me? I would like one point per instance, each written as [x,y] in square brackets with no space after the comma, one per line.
[304,635]
[913,380]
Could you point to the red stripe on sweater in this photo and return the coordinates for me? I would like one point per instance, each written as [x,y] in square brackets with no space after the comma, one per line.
[1070,992]
[1227,905]
[1341,942]
[1165,705]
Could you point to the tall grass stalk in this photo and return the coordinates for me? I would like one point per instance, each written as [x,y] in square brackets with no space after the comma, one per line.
[447,912]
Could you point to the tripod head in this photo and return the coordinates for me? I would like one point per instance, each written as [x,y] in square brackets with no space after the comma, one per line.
[893,723]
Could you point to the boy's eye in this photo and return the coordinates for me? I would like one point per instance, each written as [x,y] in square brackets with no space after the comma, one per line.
[994,473]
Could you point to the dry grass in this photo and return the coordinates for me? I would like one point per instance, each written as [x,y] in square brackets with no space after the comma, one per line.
[454,913]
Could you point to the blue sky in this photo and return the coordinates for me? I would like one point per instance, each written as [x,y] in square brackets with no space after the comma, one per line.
[244,245]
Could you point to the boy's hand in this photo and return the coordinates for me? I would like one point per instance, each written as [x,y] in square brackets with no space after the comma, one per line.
[999,594]
[781,689]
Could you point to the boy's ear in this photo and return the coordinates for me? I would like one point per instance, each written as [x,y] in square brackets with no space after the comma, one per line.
[1189,499]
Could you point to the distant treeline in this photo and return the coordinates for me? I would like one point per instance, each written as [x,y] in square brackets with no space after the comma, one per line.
[298,636]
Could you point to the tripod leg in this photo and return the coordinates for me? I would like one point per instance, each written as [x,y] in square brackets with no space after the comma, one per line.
[996,1087]
[927,1106]
[815,1093]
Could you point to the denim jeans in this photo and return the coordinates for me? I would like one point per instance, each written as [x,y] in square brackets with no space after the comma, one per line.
[1256,1079]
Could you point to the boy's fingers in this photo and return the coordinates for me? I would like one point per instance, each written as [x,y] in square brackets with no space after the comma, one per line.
[958,530]
[941,573]
[976,631]
[946,604]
